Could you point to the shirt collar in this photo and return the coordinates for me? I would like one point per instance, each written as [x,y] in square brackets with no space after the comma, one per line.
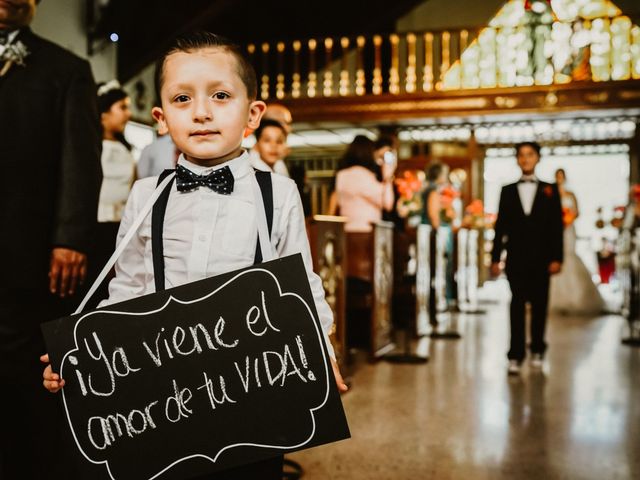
[239,166]
[529,178]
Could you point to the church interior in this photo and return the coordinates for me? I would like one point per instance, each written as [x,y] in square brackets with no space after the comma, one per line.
[421,325]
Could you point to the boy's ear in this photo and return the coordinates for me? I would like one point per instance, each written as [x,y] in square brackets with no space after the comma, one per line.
[256,110]
[158,116]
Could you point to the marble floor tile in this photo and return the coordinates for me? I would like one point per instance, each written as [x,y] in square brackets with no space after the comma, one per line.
[461,417]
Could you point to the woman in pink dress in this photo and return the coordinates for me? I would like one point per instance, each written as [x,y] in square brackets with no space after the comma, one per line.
[360,196]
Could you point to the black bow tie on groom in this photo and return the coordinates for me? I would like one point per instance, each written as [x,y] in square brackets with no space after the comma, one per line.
[527,180]
[220,181]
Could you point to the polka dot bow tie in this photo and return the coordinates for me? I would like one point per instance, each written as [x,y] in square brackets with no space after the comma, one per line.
[220,181]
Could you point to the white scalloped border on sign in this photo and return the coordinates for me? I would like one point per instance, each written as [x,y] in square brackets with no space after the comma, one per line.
[200,455]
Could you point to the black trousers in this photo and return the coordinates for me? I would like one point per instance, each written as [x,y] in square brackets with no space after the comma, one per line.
[528,287]
[32,429]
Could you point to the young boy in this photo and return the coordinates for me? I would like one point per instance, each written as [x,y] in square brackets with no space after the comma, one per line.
[208,99]
[271,145]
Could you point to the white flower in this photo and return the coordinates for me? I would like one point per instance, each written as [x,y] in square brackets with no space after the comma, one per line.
[107,87]
[15,53]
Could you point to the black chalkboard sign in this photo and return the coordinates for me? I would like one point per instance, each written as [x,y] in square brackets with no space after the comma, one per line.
[200,378]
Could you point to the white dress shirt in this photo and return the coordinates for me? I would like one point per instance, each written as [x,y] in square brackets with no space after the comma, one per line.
[207,234]
[159,155]
[258,163]
[527,188]
[118,170]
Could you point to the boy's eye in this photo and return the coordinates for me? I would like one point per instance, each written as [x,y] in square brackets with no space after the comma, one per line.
[220,95]
[181,98]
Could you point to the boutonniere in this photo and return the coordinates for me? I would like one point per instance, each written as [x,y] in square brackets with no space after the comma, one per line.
[548,191]
[14,53]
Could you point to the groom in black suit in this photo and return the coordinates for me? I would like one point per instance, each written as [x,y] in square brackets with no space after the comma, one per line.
[50,154]
[529,227]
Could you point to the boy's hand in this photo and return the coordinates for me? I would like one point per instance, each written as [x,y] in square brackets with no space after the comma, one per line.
[342,387]
[68,268]
[52,381]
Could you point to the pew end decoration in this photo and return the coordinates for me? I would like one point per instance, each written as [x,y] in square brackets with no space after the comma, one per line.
[410,186]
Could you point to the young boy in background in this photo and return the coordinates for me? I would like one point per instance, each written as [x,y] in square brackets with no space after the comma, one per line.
[271,145]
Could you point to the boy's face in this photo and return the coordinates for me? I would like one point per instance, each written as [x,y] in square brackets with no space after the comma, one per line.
[272,145]
[205,105]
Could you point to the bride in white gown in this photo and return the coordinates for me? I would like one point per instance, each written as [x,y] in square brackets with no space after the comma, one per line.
[572,290]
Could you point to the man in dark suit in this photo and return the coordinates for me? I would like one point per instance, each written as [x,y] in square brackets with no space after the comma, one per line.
[50,154]
[529,227]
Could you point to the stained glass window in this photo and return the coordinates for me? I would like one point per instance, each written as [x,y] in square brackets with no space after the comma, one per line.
[541,42]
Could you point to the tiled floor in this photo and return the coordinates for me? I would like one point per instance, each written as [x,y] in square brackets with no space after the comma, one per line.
[461,417]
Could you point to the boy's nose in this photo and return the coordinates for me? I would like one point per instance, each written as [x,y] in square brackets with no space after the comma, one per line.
[202,111]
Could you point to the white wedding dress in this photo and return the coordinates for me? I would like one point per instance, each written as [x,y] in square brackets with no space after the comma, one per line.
[572,290]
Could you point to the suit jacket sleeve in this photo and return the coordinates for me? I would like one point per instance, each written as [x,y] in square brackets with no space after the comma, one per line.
[499,229]
[80,172]
[557,227]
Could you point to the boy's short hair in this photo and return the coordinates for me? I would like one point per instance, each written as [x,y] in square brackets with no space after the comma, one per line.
[269,122]
[201,39]
[534,145]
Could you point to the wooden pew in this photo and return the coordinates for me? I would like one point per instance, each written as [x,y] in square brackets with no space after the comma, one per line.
[328,250]
[370,289]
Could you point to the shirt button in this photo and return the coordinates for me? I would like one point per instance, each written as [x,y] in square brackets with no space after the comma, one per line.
[202,238]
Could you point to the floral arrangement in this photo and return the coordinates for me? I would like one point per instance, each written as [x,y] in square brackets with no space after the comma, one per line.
[568,216]
[14,53]
[474,216]
[409,186]
[447,196]
[490,220]
[617,217]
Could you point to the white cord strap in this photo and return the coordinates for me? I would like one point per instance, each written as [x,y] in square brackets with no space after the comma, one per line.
[125,240]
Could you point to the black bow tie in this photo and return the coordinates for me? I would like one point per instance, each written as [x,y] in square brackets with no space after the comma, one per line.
[220,181]
[527,180]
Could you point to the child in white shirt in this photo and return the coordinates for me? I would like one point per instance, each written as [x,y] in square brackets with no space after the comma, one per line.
[270,148]
[208,95]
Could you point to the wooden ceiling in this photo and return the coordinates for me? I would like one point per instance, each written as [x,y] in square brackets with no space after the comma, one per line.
[146,27]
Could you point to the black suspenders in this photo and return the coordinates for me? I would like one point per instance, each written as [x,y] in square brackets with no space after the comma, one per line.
[264,181]
[157,222]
